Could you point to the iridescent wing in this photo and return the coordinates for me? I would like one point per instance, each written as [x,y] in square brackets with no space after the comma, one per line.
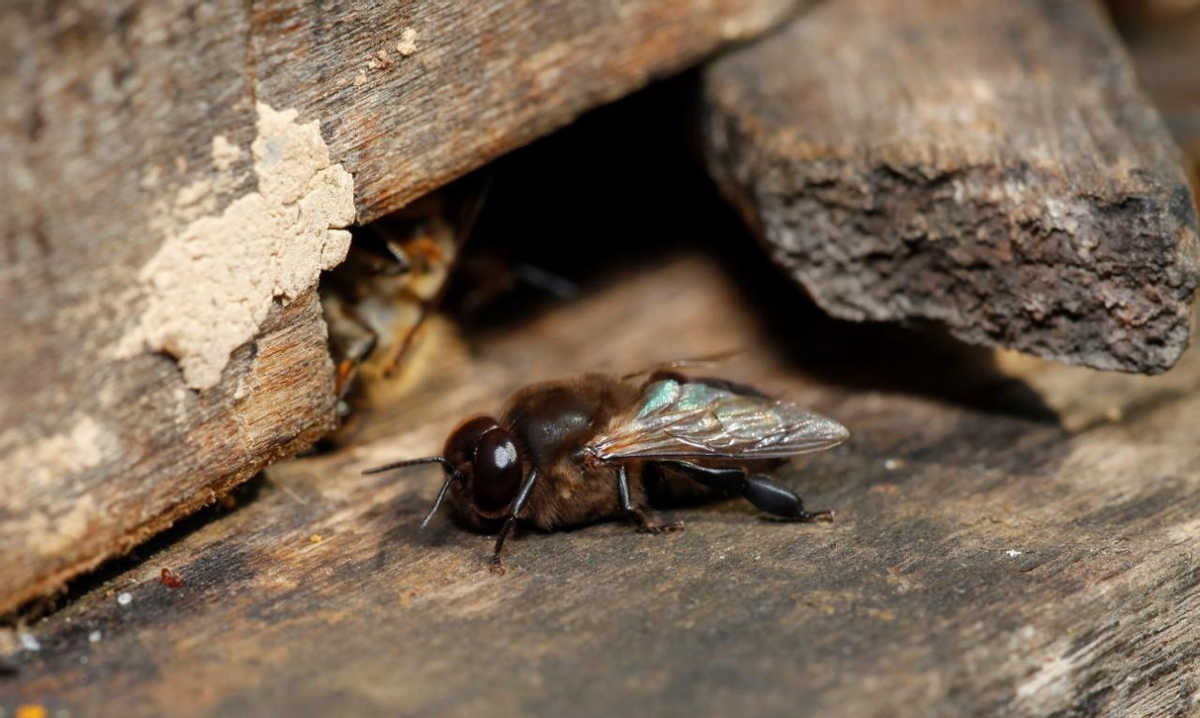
[694,420]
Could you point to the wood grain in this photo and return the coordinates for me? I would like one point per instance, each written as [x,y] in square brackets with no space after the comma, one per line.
[1013,537]
[990,167]
[127,125]
[484,78]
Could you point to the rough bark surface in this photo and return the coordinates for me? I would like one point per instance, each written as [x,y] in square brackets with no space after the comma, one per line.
[1014,537]
[991,167]
[175,172]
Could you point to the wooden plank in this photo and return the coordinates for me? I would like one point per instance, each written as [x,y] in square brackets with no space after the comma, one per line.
[1013,537]
[481,79]
[991,167]
[177,175]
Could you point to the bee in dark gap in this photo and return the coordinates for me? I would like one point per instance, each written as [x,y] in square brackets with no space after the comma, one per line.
[579,450]
[393,277]
[397,273]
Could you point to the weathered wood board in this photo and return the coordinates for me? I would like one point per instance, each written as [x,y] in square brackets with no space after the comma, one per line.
[991,167]
[1013,538]
[176,175]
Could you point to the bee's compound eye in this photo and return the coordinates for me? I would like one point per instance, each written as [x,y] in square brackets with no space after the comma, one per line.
[497,470]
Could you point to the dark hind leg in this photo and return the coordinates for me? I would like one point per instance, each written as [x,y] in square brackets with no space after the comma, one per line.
[779,500]
[643,521]
[763,492]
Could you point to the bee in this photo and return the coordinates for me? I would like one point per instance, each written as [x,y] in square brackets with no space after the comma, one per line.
[394,276]
[579,450]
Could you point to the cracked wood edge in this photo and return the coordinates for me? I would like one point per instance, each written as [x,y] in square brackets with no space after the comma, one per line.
[990,167]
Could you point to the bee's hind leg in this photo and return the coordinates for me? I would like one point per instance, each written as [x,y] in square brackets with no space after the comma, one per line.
[641,518]
[779,500]
[760,490]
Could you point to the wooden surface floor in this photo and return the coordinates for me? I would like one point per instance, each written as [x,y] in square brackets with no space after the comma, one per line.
[1013,537]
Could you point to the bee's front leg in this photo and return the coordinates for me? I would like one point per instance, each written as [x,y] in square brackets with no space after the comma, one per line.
[510,522]
[644,522]
[497,566]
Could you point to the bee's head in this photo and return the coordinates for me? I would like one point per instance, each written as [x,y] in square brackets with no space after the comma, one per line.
[483,473]
[490,464]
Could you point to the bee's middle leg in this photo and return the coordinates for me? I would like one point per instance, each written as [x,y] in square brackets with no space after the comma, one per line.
[641,518]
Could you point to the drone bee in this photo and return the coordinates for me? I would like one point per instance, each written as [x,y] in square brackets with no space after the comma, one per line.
[576,451]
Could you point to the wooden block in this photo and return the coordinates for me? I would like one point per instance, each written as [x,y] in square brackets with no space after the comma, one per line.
[177,175]
[991,167]
[1014,537]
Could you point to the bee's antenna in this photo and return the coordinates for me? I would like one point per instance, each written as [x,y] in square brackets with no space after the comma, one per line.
[452,475]
[414,462]
[437,503]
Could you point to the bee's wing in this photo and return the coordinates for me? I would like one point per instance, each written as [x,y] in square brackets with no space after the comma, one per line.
[694,420]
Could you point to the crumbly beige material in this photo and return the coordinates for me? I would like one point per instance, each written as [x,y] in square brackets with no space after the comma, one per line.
[212,283]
